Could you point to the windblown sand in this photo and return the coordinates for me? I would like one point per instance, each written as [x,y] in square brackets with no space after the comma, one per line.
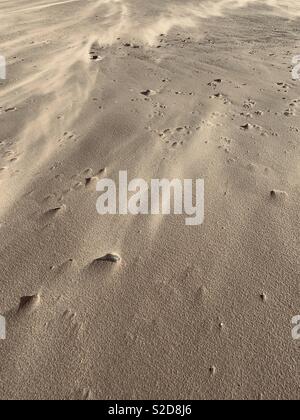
[189,312]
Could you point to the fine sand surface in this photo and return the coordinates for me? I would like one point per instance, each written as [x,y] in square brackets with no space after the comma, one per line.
[201,312]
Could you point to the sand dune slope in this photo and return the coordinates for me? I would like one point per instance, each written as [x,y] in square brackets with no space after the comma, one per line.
[188,312]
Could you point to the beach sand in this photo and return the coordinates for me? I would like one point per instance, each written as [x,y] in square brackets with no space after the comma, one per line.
[188,312]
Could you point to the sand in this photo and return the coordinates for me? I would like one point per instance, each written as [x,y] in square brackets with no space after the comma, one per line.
[144,307]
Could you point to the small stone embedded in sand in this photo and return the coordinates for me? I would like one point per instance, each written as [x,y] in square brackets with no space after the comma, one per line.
[279,195]
[95,57]
[264,297]
[148,92]
[102,171]
[29,303]
[57,210]
[213,370]
[112,258]
[90,181]
[246,126]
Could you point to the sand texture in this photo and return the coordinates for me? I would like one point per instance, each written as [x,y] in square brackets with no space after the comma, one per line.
[144,307]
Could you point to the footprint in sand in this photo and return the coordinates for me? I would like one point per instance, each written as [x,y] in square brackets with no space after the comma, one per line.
[249,104]
[172,135]
[289,113]
[176,144]
[283,87]
[226,142]
[67,137]
[222,97]
[291,110]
